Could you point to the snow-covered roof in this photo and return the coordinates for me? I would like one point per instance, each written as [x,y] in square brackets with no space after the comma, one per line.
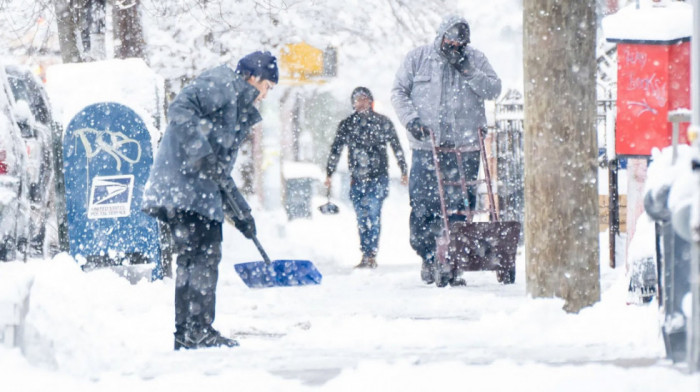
[651,22]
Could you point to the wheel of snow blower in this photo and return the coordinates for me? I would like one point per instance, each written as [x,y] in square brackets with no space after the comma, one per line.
[506,276]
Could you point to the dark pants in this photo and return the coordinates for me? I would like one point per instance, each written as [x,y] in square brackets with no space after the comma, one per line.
[425,220]
[367,198]
[197,242]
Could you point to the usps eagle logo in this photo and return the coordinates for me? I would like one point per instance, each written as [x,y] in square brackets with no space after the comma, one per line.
[110,196]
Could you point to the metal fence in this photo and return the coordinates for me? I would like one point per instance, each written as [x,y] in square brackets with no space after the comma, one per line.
[508,151]
[508,148]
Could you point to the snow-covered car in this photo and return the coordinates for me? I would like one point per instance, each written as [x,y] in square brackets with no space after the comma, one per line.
[14,181]
[32,112]
[34,117]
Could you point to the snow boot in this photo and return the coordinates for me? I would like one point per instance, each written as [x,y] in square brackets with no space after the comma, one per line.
[456,281]
[203,338]
[180,341]
[368,261]
[363,263]
[427,270]
[372,261]
[443,274]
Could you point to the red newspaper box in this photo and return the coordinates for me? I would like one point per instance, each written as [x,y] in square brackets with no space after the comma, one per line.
[653,73]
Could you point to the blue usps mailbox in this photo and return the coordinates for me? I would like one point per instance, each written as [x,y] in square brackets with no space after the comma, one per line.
[107,157]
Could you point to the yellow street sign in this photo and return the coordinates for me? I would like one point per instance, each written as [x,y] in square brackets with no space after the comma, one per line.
[300,61]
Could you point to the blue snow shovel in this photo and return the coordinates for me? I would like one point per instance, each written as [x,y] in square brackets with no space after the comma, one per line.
[277,273]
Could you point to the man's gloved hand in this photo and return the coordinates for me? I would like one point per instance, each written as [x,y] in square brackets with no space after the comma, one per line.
[463,65]
[246,225]
[417,129]
[238,212]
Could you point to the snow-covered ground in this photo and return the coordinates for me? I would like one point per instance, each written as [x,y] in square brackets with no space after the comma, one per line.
[380,330]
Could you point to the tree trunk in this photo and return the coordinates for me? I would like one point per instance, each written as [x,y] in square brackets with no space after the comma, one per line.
[68,23]
[561,195]
[128,32]
[96,27]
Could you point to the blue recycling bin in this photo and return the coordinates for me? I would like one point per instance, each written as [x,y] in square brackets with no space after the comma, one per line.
[107,158]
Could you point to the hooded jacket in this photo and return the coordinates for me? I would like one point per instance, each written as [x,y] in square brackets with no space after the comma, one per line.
[208,121]
[451,103]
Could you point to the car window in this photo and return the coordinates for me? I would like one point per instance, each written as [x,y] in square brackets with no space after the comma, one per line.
[22,90]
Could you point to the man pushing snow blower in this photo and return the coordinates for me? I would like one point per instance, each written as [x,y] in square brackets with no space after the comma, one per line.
[439,91]
[190,182]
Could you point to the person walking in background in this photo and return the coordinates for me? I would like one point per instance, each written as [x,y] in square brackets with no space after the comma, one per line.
[191,175]
[440,88]
[367,133]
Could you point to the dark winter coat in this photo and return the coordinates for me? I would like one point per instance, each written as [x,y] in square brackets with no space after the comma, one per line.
[428,87]
[366,137]
[208,121]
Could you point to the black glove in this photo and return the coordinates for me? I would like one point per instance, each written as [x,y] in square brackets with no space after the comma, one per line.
[245,225]
[417,129]
[457,56]
[463,65]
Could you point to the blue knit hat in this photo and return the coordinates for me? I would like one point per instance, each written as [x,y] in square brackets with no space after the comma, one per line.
[262,64]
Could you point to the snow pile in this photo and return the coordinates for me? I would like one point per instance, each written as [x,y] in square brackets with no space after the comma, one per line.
[72,87]
[381,329]
[652,21]
[15,283]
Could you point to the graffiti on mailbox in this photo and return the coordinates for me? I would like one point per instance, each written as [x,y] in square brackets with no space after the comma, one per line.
[648,91]
[654,93]
[116,144]
[634,57]
[638,108]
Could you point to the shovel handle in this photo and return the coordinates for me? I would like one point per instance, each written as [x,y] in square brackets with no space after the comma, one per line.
[239,213]
[261,250]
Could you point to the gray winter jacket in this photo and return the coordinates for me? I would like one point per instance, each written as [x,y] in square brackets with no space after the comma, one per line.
[426,81]
[208,121]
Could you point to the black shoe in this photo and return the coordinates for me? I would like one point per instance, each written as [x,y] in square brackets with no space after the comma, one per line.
[457,282]
[427,270]
[206,337]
